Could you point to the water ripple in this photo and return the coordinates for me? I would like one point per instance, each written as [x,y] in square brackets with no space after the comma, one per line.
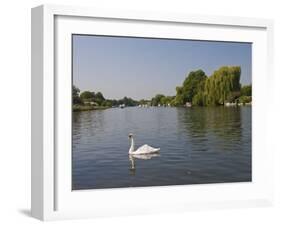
[198,145]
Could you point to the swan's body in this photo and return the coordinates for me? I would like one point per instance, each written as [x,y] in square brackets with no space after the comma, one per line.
[143,150]
[144,157]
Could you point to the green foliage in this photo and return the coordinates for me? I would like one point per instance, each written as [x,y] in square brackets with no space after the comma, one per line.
[198,99]
[162,100]
[192,85]
[89,100]
[75,95]
[106,103]
[98,98]
[87,95]
[113,103]
[128,102]
[167,100]
[155,101]
[179,99]
[222,86]
[144,102]
[75,91]
[246,90]
[233,97]
[245,99]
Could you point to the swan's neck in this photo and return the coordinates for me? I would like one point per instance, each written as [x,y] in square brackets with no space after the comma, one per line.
[132,148]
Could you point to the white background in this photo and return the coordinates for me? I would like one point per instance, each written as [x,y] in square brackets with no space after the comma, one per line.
[115,201]
[15,112]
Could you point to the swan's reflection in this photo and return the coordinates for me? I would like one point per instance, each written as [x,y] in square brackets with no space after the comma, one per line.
[133,158]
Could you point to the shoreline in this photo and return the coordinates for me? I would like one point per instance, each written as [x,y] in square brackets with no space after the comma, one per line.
[78,108]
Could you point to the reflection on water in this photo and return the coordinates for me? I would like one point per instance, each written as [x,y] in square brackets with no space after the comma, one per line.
[198,145]
[133,158]
[221,123]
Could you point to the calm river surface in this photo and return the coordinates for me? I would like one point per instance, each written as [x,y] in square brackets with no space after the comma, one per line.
[198,145]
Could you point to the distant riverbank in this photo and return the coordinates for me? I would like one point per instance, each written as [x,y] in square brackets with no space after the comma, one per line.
[87,108]
[222,88]
[79,108]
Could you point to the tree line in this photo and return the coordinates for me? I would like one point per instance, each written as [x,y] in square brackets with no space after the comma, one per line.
[222,87]
[98,100]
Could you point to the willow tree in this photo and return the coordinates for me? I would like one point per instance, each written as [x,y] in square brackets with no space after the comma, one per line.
[222,86]
[199,98]
[178,100]
[246,90]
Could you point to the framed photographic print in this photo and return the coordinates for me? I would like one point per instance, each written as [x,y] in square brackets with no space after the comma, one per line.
[137,112]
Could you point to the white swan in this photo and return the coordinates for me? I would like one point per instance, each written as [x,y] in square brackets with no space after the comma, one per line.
[143,150]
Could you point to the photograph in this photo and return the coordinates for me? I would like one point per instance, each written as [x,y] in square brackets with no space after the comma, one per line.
[150,111]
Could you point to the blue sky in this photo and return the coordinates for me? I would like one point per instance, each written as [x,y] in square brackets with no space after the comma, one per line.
[143,67]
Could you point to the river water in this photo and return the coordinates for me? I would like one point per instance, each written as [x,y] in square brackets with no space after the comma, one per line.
[198,145]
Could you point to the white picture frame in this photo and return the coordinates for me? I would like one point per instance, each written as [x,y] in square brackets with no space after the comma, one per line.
[52,197]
